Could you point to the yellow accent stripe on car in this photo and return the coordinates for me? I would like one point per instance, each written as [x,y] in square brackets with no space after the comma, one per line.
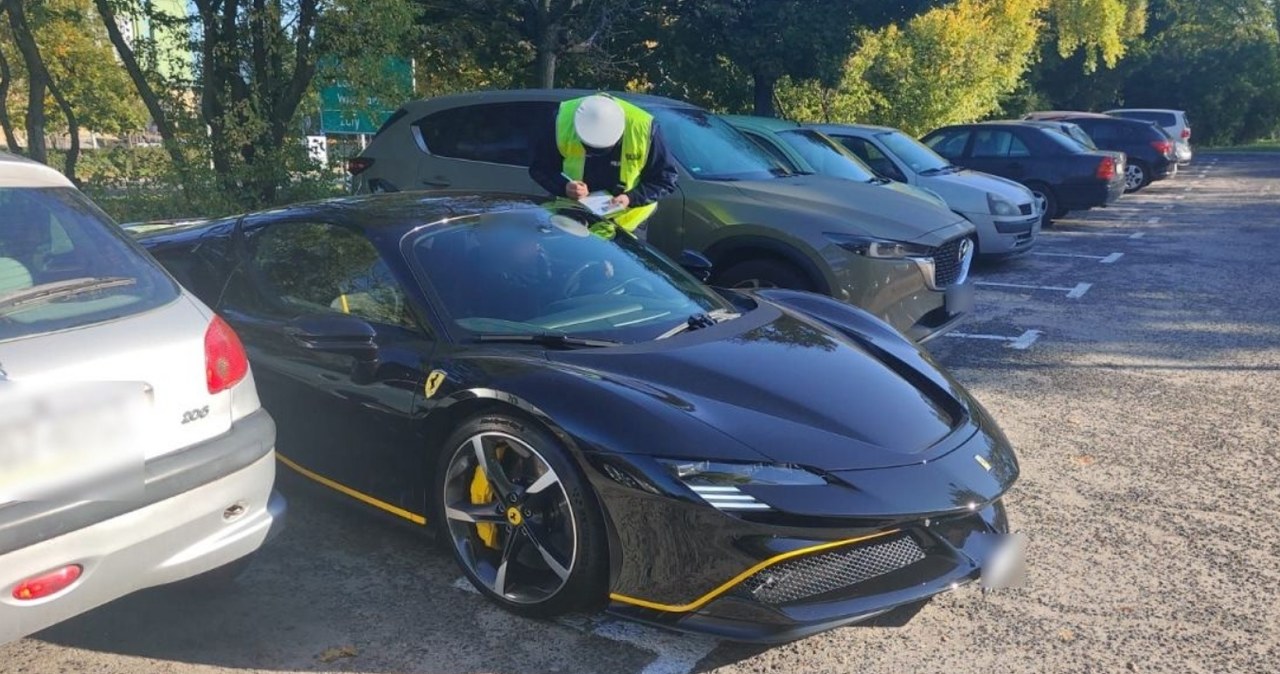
[700,601]
[365,498]
[345,309]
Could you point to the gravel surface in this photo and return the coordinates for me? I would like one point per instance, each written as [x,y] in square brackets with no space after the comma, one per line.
[1144,413]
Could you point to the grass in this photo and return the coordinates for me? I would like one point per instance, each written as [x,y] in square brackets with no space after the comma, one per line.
[1257,146]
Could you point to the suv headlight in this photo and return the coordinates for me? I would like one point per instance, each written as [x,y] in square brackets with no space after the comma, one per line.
[1000,206]
[719,483]
[880,248]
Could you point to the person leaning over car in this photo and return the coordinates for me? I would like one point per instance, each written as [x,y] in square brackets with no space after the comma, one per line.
[600,143]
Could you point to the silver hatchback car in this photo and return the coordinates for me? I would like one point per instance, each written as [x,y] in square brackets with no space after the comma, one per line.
[133,449]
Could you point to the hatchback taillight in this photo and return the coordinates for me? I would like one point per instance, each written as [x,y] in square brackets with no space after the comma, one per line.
[225,362]
[358,165]
[1186,134]
[1162,146]
[1107,169]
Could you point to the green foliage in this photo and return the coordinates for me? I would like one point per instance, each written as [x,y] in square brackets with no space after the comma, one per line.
[1099,29]
[951,64]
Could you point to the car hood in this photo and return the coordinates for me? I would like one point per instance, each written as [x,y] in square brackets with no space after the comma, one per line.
[792,390]
[870,209]
[977,180]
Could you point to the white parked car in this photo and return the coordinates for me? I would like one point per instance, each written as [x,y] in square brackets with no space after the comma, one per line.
[1006,214]
[133,449]
[1175,122]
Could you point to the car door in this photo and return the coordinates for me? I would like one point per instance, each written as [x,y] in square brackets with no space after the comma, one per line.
[338,351]
[485,146]
[1001,152]
[951,144]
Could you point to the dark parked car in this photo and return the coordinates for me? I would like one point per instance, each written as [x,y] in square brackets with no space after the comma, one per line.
[1062,174]
[586,424]
[1150,149]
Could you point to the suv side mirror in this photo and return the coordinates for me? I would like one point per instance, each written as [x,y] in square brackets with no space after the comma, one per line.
[334,333]
[697,264]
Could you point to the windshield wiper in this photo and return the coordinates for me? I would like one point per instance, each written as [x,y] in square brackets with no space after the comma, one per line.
[553,340]
[62,289]
[699,321]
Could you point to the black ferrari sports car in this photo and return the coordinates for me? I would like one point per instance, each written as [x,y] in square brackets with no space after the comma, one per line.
[588,425]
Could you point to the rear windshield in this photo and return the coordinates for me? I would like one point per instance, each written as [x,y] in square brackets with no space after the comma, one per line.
[64,264]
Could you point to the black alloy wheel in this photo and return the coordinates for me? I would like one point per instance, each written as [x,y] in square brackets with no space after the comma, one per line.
[763,273]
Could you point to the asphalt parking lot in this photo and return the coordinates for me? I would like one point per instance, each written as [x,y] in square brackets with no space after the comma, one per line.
[1133,360]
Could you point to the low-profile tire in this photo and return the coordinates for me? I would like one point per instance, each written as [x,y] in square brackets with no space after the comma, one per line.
[1136,176]
[524,525]
[1044,196]
[763,272]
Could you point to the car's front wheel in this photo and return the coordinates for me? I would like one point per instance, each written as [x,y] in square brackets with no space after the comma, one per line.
[1047,201]
[520,519]
[763,273]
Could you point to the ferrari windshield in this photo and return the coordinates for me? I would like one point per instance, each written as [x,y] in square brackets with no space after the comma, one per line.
[539,272]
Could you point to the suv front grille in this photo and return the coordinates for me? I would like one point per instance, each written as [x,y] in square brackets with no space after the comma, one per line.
[948,264]
[813,575]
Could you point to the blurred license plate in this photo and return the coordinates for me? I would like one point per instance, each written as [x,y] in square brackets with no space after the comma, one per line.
[959,299]
[75,441]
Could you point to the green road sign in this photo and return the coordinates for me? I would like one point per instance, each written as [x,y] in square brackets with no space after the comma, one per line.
[343,110]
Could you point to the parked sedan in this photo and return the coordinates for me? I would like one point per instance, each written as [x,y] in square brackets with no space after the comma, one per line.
[903,258]
[1006,214]
[133,449]
[1062,174]
[1149,149]
[587,425]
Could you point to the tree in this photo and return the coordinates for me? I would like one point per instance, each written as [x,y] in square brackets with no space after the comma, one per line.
[542,32]
[700,43]
[1099,29]
[37,78]
[950,64]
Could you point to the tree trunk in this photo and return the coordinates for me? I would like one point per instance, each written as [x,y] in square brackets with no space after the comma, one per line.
[37,81]
[168,136]
[764,85]
[73,128]
[546,65]
[10,140]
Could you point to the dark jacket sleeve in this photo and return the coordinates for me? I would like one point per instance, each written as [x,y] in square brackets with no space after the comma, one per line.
[658,178]
[547,164]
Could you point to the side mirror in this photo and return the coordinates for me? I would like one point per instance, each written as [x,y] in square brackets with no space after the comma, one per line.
[334,333]
[697,264]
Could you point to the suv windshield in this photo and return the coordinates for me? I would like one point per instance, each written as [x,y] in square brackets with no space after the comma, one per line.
[912,152]
[710,149]
[826,156]
[538,272]
[64,264]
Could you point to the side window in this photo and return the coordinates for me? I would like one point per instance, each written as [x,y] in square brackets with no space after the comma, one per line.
[992,143]
[1017,148]
[772,149]
[1100,133]
[950,144]
[497,133]
[306,268]
[873,157]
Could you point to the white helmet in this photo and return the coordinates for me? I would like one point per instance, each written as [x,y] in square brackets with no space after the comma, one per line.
[599,121]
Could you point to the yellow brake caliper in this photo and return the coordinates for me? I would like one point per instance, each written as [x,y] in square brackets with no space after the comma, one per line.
[481,494]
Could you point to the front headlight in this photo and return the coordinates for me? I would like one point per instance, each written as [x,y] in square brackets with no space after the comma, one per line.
[880,248]
[999,206]
[719,483]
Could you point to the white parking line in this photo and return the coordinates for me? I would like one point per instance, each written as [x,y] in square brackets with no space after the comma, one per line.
[1072,293]
[1103,259]
[1021,342]
[1137,235]
[1153,221]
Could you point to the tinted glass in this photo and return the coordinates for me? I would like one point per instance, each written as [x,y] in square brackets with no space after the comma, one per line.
[499,133]
[1161,118]
[709,149]
[535,271]
[1062,140]
[311,268]
[950,143]
[64,264]
[912,152]
[773,150]
[826,156]
[998,143]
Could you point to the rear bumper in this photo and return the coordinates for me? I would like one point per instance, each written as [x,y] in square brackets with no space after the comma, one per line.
[203,507]
[1094,194]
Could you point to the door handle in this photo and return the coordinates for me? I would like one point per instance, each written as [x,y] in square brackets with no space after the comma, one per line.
[436,181]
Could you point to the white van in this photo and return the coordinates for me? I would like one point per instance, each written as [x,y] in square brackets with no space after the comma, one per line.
[133,449]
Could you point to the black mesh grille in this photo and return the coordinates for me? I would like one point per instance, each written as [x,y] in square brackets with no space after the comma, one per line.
[1025,209]
[946,262]
[812,575]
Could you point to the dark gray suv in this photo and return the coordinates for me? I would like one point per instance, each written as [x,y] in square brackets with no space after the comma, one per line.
[903,258]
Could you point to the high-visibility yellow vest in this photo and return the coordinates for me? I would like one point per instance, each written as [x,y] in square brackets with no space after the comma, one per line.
[635,152]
